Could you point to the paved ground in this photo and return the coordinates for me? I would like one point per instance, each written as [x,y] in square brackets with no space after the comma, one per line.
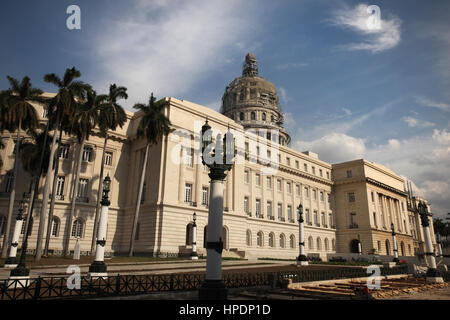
[437,294]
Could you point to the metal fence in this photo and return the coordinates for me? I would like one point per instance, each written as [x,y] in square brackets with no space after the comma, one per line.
[126,285]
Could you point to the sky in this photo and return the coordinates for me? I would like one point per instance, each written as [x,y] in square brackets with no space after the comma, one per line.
[351,86]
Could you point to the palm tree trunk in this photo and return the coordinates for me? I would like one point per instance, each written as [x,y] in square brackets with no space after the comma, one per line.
[52,202]
[43,215]
[99,195]
[74,197]
[11,196]
[27,221]
[138,202]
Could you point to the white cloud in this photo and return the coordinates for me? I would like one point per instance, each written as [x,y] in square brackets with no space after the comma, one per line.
[433,104]
[347,111]
[283,95]
[416,123]
[386,36]
[425,160]
[168,46]
[334,147]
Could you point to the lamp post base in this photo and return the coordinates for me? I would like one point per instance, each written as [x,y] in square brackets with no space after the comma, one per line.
[193,256]
[213,290]
[20,272]
[97,269]
[395,260]
[435,280]
[18,282]
[302,261]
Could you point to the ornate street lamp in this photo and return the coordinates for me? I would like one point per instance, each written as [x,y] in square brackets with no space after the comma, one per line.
[11,262]
[432,274]
[219,161]
[98,267]
[394,243]
[301,259]
[194,255]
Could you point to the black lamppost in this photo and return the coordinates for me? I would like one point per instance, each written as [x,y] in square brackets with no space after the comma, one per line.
[301,259]
[11,262]
[394,243]
[219,161]
[194,255]
[98,267]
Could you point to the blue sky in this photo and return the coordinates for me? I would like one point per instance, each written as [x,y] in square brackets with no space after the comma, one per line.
[348,91]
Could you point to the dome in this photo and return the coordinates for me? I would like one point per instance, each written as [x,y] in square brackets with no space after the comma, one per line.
[252,101]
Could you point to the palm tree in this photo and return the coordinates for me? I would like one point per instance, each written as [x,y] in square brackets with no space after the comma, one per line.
[2,146]
[84,121]
[153,126]
[111,116]
[60,109]
[30,155]
[18,114]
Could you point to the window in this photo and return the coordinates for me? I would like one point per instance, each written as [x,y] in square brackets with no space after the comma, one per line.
[307,216]
[297,164]
[288,161]
[289,212]
[258,207]
[60,187]
[375,219]
[305,167]
[241,116]
[188,193]
[205,196]
[253,115]
[279,158]
[349,173]
[313,170]
[268,136]
[269,182]
[297,189]
[288,185]
[373,199]
[246,176]
[249,238]
[246,204]
[330,219]
[269,209]
[242,96]
[257,151]
[280,211]
[64,151]
[403,208]
[263,117]
[260,239]
[353,220]
[306,192]
[292,241]
[316,218]
[324,223]
[271,240]
[321,196]
[314,195]
[88,154]
[282,241]
[252,93]
[320,173]
[279,185]
[328,175]
[258,179]
[351,197]
[189,154]
[55,226]
[82,188]
[77,228]
[108,158]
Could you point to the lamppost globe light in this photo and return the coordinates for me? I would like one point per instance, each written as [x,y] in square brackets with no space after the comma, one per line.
[194,216]
[206,137]
[107,184]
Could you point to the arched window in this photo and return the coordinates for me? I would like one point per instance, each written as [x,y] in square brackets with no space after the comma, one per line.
[30,226]
[260,239]
[263,117]
[271,240]
[310,243]
[249,238]
[388,248]
[241,116]
[333,245]
[189,228]
[272,118]
[354,248]
[242,95]
[55,226]
[292,241]
[253,115]
[402,248]
[326,244]
[2,225]
[77,228]
[319,244]
[282,241]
